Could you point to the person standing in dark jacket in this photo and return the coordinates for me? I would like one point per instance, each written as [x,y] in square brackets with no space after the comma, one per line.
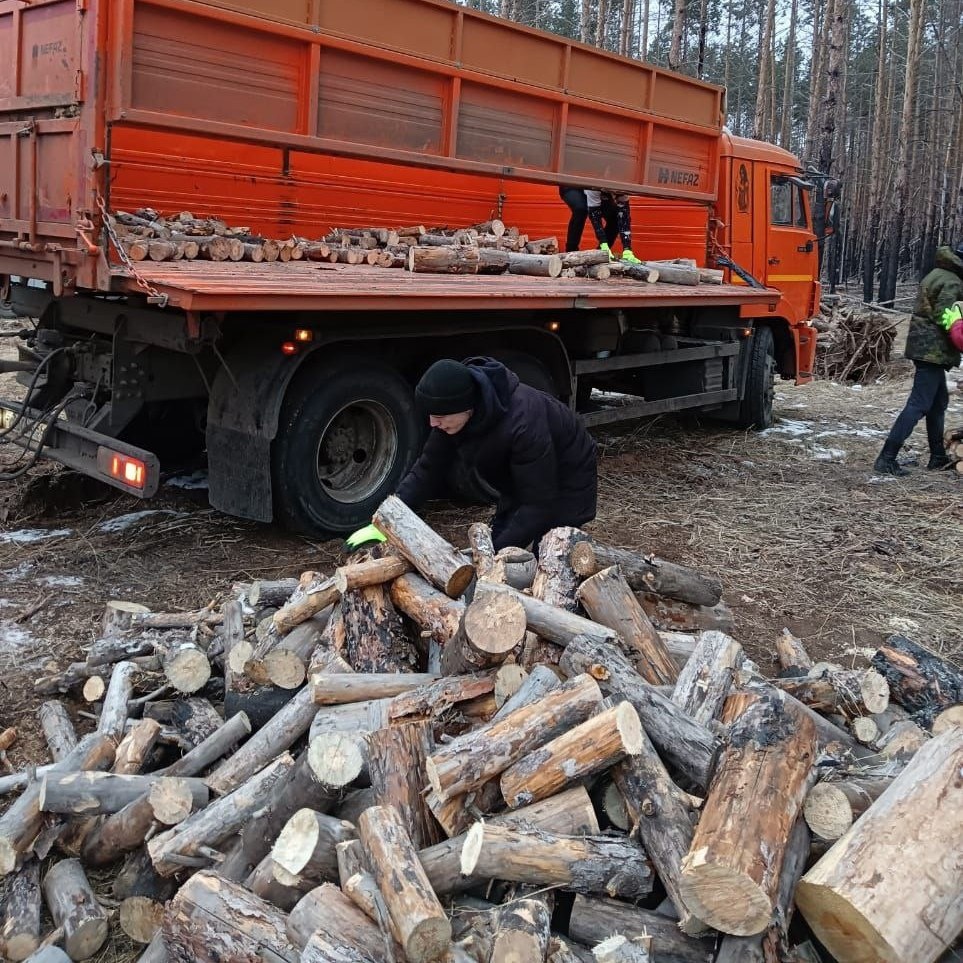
[527,447]
[928,347]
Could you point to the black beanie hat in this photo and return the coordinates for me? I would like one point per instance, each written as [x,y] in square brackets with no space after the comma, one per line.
[446,388]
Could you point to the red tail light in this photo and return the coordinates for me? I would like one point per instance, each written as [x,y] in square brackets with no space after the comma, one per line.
[131,472]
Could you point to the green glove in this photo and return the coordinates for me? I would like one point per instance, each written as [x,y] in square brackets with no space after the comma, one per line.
[952,315]
[369,535]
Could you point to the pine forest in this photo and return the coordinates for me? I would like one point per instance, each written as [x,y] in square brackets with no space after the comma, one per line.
[867,93]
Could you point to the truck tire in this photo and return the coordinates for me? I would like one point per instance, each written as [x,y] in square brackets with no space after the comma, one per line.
[347,434]
[756,408]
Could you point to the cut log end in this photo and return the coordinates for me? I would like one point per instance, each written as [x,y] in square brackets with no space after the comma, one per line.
[726,899]
[582,559]
[459,580]
[284,669]
[471,848]
[429,939]
[140,918]
[8,857]
[827,811]
[188,671]
[496,624]
[335,758]
[171,800]
[629,727]
[850,927]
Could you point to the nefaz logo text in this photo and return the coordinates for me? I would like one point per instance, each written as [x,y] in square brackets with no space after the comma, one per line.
[668,175]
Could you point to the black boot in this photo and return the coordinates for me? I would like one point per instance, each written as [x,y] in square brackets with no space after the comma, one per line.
[938,462]
[886,463]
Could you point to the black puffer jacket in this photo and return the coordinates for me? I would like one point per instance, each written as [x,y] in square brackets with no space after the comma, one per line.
[527,446]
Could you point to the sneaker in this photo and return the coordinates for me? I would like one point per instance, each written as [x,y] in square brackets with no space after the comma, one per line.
[630,257]
[938,463]
[885,465]
[608,250]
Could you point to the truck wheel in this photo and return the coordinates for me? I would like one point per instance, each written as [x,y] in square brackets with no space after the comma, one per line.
[756,409]
[346,437]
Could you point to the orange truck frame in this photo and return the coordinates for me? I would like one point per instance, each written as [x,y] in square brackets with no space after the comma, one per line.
[298,116]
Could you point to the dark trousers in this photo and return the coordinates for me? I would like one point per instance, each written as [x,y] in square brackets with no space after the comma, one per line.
[574,197]
[928,399]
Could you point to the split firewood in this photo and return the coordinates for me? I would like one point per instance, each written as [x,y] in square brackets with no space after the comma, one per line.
[919,680]
[856,905]
[590,864]
[430,554]
[731,872]
[689,747]
[477,756]
[211,919]
[74,907]
[419,918]
[608,599]
[20,911]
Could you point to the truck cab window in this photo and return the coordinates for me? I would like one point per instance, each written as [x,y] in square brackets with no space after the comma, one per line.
[787,206]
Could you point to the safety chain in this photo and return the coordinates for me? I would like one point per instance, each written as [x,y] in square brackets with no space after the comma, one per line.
[153,295]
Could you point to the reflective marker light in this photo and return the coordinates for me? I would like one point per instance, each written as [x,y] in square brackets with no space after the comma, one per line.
[303,334]
[554,325]
[130,471]
[289,348]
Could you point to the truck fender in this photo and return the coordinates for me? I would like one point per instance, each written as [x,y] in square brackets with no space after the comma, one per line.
[242,419]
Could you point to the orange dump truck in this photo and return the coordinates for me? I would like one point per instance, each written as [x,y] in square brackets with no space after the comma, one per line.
[298,116]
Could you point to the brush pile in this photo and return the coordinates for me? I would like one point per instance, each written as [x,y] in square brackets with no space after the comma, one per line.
[489,248]
[855,340]
[432,755]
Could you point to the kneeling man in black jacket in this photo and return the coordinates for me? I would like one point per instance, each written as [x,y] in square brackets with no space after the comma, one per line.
[526,446]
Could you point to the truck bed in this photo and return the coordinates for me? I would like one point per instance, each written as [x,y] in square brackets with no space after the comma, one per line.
[307,285]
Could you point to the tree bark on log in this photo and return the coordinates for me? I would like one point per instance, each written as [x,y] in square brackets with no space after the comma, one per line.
[118,615]
[491,628]
[918,680]
[857,906]
[590,864]
[847,692]
[671,615]
[113,714]
[487,567]
[57,728]
[396,766]
[328,911]
[437,615]
[707,678]
[439,697]
[556,582]
[213,919]
[831,808]
[618,949]
[477,756]
[419,918]
[447,259]
[180,846]
[306,603]
[792,655]
[595,745]
[608,599]
[661,814]
[374,637]
[284,729]
[690,748]
[730,875]
[570,813]
[307,846]
[98,793]
[285,665]
[325,949]
[20,911]
[646,573]
[135,748]
[338,689]
[521,931]
[593,920]
[374,571]
[535,265]
[74,907]
[427,551]
[20,824]
[216,745]
[168,801]
[53,954]
[284,893]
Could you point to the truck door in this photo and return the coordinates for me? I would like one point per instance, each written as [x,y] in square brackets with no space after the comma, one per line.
[791,257]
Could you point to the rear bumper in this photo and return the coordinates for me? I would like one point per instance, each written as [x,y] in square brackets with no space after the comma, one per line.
[76,447]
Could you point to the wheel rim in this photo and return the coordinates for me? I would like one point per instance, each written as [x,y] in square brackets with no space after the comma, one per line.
[356,451]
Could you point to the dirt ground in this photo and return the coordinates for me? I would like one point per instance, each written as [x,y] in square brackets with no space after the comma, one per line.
[793,521]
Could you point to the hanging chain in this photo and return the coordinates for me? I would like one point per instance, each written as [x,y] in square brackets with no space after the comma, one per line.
[153,295]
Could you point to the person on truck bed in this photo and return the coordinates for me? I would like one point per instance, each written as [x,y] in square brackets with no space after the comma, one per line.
[928,346]
[575,198]
[623,221]
[526,446]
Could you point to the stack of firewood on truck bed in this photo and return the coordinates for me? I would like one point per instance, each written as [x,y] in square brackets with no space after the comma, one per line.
[489,248]
[428,758]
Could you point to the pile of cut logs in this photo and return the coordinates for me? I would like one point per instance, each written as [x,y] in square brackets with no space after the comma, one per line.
[953,439]
[436,755]
[489,248]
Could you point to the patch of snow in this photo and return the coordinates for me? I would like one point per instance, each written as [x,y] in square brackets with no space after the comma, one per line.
[193,482]
[855,387]
[17,574]
[843,431]
[122,522]
[25,536]
[828,454]
[61,581]
[787,426]
[907,626]
[17,643]
[881,479]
